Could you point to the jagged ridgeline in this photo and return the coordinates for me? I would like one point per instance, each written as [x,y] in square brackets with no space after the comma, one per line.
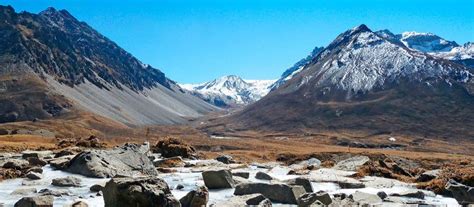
[50,62]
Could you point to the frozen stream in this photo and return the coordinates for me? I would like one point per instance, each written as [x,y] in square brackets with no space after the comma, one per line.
[190,178]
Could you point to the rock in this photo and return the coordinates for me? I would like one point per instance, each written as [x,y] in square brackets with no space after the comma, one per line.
[263,176]
[61,163]
[428,175]
[79,204]
[365,198]
[462,193]
[352,164]
[38,201]
[36,170]
[66,152]
[35,161]
[37,154]
[195,198]
[310,164]
[34,176]
[255,200]
[172,147]
[245,175]
[279,193]
[179,187]
[68,181]
[382,195]
[16,164]
[226,159]
[308,199]
[410,193]
[97,187]
[169,162]
[145,191]
[166,170]
[217,179]
[239,180]
[400,170]
[55,193]
[24,191]
[127,160]
[350,184]
[305,183]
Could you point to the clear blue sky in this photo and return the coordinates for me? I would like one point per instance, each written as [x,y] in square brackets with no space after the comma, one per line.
[195,41]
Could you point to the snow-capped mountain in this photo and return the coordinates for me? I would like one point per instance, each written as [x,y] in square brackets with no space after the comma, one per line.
[368,82]
[230,91]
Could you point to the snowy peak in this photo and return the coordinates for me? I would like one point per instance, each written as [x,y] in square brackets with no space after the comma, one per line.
[230,91]
[427,42]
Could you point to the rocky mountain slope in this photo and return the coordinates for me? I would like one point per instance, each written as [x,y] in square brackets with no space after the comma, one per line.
[367,82]
[51,64]
[230,91]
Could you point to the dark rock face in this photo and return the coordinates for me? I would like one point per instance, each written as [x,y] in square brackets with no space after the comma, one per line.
[462,193]
[303,182]
[195,198]
[280,193]
[148,191]
[39,201]
[309,199]
[172,147]
[218,179]
[263,176]
[245,175]
[226,159]
[126,160]
[428,175]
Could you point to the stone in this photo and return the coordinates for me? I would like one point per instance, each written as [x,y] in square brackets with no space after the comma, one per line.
[462,193]
[179,187]
[169,162]
[24,191]
[34,176]
[144,191]
[55,193]
[310,164]
[255,200]
[79,204]
[97,187]
[279,193]
[37,154]
[263,176]
[226,159]
[195,198]
[245,175]
[68,181]
[308,199]
[66,152]
[35,161]
[173,147]
[351,164]
[36,170]
[305,183]
[217,179]
[127,160]
[410,193]
[428,175]
[166,170]
[38,201]
[16,164]
[365,198]
[382,195]
[350,184]
[61,163]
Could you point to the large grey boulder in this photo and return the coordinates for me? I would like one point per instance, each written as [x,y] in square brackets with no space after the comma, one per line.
[195,198]
[68,181]
[16,164]
[428,175]
[279,193]
[462,193]
[263,176]
[217,179]
[37,154]
[255,200]
[305,183]
[365,198]
[145,191]
[34,175]
[351,164]
[308,199]
[39,201]
[24,191]
[127,160]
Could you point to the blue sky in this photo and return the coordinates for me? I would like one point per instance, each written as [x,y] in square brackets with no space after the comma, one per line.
[195,41]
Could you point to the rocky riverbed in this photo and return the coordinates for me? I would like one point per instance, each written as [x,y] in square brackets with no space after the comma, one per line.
[171,175]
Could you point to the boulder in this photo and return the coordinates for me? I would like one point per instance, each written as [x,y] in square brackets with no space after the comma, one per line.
[305,183]
[79,204]
[351,164]
[55,193]
[35,161]
[309,199]
[67,152]
[38,201]
[97,187]
[310,164]
[68,181]
[350,184]
[144,191]
[127,160]
[410,193]
[217,179]
[169,162]
[428,175]
[382,195]
[245,175]
[35,169]
[24,191]
[365,198]
[195,198]
[226,159]
[462,193]
[37,154]
[172,147]
[34,176]
[279,193]
[256,200]
[263,176]
[61,163]
[16,164]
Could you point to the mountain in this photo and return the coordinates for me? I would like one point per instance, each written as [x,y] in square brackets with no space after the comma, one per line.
[296,68]
[368,83]
[230,91]
[52,64]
